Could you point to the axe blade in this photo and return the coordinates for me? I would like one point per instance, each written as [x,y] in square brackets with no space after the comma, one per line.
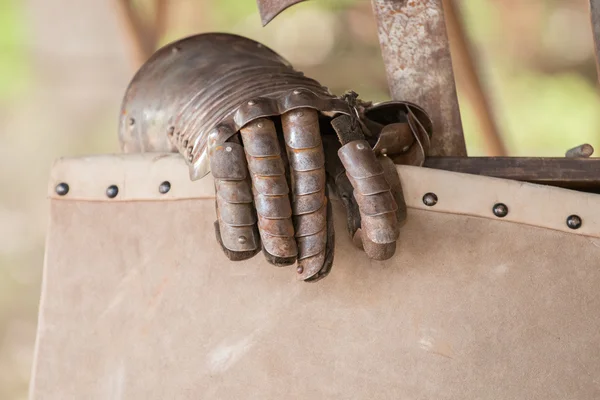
[269,9]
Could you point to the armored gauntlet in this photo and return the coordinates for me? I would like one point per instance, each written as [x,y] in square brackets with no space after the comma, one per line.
[272,139]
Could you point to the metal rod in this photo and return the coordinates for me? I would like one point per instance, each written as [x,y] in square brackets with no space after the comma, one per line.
[468,79]
[415,49]
[582,151]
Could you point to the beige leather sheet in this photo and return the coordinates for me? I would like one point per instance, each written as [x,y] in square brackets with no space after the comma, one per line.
[139,302]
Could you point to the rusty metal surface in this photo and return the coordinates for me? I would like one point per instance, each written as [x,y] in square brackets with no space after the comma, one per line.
[269,9]
[416,53]
[302,136]
[582,151]
[236,219]
[272,207]
[377,211]
[198,91]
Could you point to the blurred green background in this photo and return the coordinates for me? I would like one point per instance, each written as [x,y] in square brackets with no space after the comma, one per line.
[65,64]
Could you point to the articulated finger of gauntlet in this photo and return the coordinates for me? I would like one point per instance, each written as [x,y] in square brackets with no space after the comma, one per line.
[271,192]
[235,213]
[307,173]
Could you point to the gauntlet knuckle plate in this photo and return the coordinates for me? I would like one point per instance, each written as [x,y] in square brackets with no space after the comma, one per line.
[228,162]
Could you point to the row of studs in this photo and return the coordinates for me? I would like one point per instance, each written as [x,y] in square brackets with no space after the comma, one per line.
[112,191]
[500,210]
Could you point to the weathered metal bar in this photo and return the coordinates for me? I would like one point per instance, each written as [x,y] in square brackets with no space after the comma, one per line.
[595,17]
[572,173]
[415,49]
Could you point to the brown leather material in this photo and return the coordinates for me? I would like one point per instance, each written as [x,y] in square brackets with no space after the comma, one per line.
[270,204]
[138,302]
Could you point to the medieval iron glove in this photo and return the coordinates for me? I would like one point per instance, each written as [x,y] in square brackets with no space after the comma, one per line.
[272,139]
